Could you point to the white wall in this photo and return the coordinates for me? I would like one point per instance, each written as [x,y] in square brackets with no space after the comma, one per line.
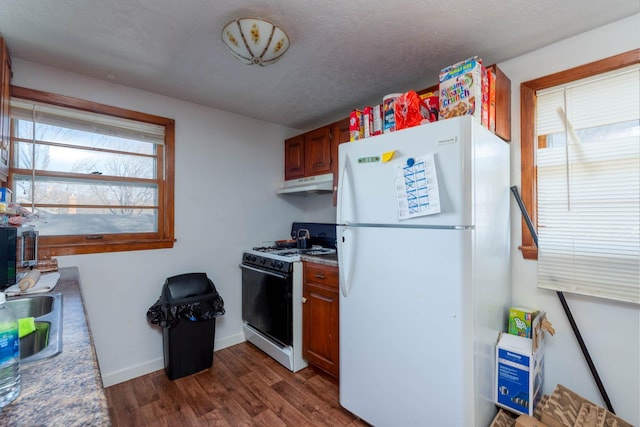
[227,170]
[610,330]
[226,163]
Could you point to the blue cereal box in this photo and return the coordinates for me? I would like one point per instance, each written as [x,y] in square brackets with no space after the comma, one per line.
[520,370]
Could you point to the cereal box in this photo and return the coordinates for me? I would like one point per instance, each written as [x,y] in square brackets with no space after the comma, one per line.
[430,100]
[460,89]
[520,320]
[485,98]
[367,118]
[377,119]
[491,74]
[356,126]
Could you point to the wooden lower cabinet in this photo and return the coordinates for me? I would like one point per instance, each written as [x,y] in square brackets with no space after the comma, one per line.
[320,317]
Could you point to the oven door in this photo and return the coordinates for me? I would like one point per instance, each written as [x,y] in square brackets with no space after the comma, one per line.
[267,303]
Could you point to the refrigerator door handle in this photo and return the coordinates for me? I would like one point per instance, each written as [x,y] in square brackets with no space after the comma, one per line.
[346,205]
[345,260]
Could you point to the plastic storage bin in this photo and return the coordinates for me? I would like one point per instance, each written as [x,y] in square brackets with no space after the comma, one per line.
[187,310]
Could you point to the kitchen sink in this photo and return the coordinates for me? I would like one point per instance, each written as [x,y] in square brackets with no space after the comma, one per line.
[46,340]
[32,306]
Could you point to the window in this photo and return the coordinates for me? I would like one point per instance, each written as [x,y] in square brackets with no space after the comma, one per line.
[580,134]
[97,178]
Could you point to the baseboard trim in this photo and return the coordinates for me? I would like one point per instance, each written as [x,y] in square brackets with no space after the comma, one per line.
[126,374]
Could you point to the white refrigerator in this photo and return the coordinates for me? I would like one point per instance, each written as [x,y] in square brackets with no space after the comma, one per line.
[423,250]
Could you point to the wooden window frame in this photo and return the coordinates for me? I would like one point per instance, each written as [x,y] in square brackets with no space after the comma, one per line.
[86,244]
[528,170]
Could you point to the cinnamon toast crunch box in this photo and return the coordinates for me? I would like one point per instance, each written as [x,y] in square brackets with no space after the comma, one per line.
[460,89]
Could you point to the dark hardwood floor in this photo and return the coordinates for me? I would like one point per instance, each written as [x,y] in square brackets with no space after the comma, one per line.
[244,387]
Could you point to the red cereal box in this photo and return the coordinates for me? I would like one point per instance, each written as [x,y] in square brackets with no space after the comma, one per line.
[367,118]
[460,89]
[430,100]
[485,98]
[356,128]
[492,99]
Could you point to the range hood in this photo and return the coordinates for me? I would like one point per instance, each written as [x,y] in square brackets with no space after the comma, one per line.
[306,185]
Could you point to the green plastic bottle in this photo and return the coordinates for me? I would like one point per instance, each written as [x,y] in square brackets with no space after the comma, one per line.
[9,355]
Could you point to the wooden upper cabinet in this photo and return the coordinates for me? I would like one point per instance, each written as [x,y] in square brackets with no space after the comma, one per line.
[317,151]
[294,157]
[5,116]
[503,104]
[308,154]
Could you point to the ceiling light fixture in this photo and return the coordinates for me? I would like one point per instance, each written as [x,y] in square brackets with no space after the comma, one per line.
[255,41]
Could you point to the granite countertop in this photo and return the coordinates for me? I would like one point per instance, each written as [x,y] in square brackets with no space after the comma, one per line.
[65,390]
[331,259]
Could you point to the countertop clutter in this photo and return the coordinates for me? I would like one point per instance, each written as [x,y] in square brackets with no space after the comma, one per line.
[65,390]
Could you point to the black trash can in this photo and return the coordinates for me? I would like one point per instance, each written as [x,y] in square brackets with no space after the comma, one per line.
[187,310]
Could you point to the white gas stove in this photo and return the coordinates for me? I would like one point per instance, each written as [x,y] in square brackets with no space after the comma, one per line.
[272,297]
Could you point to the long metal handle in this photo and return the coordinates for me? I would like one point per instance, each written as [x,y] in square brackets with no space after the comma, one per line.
[567,310]
[258,270]
[345,193]
[345,259]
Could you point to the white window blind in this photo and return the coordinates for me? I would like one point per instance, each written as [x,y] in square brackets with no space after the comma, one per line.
[588,166]
[87,121]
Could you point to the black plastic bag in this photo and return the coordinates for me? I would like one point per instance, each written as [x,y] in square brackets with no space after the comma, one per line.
[190,296]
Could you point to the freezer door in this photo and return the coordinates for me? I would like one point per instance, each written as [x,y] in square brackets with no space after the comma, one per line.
[407,327]
[368,191]
[468,161]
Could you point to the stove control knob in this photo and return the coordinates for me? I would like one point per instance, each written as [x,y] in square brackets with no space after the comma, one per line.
[263,261]
[280,264]
[273,264]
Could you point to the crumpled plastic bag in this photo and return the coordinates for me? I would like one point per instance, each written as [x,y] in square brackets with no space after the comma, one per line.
[191,296]
[168,314]
[409,110]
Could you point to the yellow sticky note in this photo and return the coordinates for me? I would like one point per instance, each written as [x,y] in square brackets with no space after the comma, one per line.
[388,156]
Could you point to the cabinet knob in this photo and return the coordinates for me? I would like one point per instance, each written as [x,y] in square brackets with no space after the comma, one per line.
[304,300]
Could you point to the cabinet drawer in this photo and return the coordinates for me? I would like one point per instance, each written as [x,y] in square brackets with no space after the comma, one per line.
[321,274]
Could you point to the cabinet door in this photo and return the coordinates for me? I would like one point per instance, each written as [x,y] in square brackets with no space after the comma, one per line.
[317,151]
[320,340]
[294,157]
[339,134]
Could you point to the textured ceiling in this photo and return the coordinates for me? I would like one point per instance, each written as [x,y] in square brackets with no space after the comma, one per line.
[343,54]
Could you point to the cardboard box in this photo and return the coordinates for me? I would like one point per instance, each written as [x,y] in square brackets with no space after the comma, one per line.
[485,97]
[367,121]
[565,407]
[520,370]
[527,421]
[491,77]
[377,120]
[503,419]
[356,126]
[520,320]
[430,100]
[460,89]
